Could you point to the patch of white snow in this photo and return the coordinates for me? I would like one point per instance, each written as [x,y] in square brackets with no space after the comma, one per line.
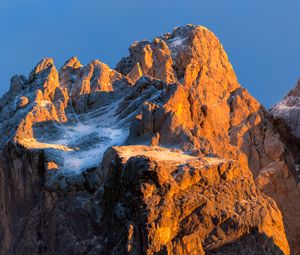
[80,144]
[175,42]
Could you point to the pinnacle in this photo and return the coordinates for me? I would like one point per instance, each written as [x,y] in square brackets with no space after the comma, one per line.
[296,90]
[43,65]
[72,62]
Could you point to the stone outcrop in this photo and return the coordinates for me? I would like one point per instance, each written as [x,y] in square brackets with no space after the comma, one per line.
[285,116]
[43,213]
[161,202]
[205,112]
[153,59]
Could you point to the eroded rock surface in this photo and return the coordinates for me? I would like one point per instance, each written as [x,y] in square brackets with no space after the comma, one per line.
[285,116]
[161,202]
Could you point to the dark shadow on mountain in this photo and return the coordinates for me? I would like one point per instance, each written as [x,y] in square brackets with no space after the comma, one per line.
[291,142]
[254,243]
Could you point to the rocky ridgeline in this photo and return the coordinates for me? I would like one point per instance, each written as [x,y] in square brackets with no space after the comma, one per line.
[165,154]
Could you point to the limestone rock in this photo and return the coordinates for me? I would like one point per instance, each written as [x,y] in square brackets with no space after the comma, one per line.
[157,201]
[95,77]
[135,73]
[23,101]
[285,116]
[68,73]
[153,59]
[17,84]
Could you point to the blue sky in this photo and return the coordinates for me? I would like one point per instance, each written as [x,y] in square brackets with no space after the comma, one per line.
[261,37]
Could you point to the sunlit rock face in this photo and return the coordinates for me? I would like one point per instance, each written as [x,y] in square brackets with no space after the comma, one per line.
[156,156]
[161,202]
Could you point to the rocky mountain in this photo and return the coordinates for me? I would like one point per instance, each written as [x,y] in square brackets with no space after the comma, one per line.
[165,154]
[285,116]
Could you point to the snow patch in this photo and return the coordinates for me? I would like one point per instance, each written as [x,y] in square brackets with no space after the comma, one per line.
[287,105]
[176,42]
[91,156]
[80,144]
[154,152]
[213,161]
[43,103]
[34,144]
[164,154]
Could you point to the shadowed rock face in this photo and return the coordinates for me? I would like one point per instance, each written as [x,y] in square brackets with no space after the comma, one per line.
[285,116]
[189,139]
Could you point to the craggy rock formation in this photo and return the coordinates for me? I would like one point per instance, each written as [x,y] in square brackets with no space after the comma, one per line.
[65,188]
[285,116]
[205,110]
[160,202]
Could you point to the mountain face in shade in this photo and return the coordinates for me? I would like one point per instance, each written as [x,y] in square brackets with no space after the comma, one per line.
[285,116]
[165,154]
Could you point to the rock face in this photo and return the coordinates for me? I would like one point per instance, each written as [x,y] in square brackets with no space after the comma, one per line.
[285,116]
[84,167]
[185,205]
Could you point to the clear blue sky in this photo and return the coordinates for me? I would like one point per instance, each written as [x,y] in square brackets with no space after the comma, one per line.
[261,37]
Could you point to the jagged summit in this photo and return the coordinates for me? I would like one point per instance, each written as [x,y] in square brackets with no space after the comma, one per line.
[178,58]
[296,90]
[179,91]
[160,155]
[73,63]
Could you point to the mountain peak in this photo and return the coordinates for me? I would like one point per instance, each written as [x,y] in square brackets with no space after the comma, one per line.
[186,54]
[154,148]
[295,92]
[44,64]
[73,62]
